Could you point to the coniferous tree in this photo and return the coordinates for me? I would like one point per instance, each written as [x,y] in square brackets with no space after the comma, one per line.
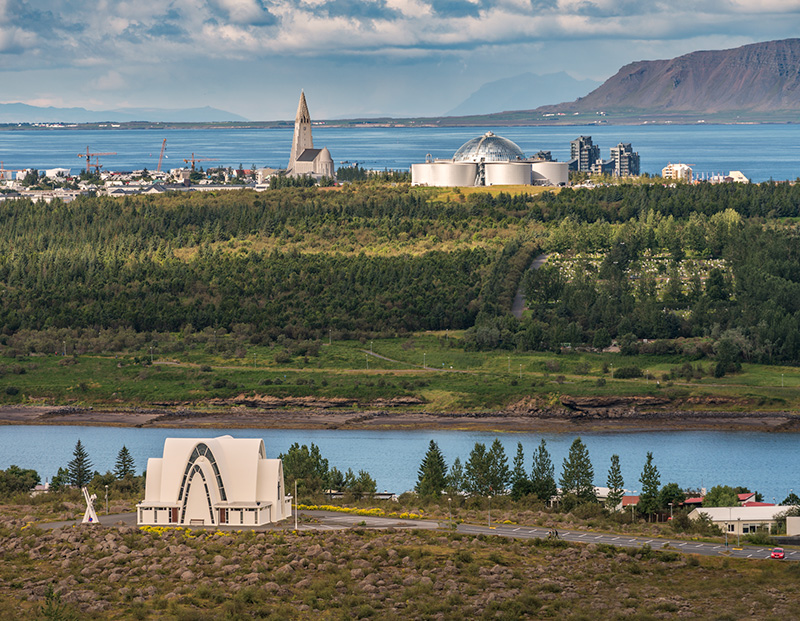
[518,474]
[476,471]
[499,473]
[615,484]
[80,467]
[455,478]
[651,481]
[577,475]
[432,476]
[543,482]
[124,466]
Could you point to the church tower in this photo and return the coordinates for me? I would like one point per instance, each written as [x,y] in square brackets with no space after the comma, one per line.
[302,132]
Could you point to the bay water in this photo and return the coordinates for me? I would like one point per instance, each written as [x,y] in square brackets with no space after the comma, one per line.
[761,152]
[765,462]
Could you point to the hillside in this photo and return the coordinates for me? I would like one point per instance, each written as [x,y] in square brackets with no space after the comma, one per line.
[762,77]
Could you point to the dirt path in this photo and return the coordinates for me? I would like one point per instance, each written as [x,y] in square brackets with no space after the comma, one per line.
[518,306]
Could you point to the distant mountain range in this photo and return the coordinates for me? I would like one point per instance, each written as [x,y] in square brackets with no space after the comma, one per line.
[23,113]
[524,91]
[756,78]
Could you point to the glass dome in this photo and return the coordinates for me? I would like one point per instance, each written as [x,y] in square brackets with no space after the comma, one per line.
[489,148]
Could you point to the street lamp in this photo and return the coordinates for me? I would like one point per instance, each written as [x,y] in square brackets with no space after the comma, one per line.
[490,511]
[670,511]
[450,510]
[520,370]
[295,504]
[424,365]
[738,530]
[106,499]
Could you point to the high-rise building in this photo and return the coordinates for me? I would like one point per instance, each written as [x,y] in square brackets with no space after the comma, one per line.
[626,161]
[584,153]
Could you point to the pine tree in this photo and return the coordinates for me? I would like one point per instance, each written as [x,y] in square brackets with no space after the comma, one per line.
[455,478]
[543,482]
[499,473]
[80,467]
[518,474]
[124,466]
[577,475]
[432,476]
[615,484]
[476,471]
[650,480]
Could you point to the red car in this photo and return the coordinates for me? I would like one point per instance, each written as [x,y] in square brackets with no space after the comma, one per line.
[777,553]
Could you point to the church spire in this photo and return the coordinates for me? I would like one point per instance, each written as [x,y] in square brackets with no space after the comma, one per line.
[302,132]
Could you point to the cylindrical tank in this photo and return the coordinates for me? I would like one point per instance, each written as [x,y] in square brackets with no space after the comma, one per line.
[454,174]
[508,173]
[550,173]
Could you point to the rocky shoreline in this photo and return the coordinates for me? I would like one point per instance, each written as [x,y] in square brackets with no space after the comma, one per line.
[588,414]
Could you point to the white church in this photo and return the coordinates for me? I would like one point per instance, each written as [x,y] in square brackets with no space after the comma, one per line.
[213,482]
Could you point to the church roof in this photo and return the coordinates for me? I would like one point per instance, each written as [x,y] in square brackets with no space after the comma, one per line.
[303,115]
[309,155]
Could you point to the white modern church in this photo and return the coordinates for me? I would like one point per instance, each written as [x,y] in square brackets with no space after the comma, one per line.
[213,482]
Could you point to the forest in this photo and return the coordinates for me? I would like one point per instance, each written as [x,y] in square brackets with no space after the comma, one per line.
[697,270]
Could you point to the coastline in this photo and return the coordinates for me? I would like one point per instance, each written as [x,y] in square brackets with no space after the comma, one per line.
[540,421]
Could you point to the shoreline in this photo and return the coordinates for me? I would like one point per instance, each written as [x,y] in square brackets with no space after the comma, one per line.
[539,421]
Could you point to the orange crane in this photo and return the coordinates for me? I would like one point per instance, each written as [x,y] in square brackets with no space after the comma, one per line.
[161,157]
[97,166]
[194,159]
[4,170]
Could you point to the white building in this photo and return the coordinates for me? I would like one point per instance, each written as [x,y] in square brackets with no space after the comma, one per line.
[489,160]
[213,481]
[679,172]
[742,520]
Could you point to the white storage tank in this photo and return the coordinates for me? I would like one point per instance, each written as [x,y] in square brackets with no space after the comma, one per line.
[507,173]
[454,174]
[550,173]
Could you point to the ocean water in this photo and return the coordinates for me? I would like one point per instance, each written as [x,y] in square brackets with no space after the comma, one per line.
[691,458]
[761,152]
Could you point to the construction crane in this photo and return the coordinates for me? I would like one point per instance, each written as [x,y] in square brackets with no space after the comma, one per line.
[161,156]
[97,166]
[4,170]
[194,159]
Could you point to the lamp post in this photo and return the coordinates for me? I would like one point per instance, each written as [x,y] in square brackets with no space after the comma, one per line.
[738,530]
[490,511]
[450,511]
[295,504]
[64,343]
[670,511]
[106,499]
[520,370]
[424,364]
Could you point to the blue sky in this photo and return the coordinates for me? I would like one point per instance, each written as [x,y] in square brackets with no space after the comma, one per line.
[352,57]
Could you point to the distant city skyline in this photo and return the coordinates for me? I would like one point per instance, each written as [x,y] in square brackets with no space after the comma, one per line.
[352,57]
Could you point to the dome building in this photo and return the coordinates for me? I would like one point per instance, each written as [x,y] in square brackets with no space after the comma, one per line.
[488,160]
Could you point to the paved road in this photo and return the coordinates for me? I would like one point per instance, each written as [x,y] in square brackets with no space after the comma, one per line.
[331,520]
[626,541]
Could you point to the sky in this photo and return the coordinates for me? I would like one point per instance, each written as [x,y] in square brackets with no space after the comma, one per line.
[352,57]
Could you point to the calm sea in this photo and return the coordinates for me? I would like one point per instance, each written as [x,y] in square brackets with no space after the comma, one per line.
[691,459]
[761,152]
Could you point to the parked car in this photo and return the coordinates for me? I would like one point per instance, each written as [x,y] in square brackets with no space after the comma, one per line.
[777,553]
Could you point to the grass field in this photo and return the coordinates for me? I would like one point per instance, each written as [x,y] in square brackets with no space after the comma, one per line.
[433,366]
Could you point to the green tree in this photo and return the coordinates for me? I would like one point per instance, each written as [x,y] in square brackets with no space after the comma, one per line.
[615,484]
[721,496]
[791,499]
[520,483]
[124,466]
[650,480]
[61,480]
[671,493]
[360,486]
[499,473]
[80,467]
[306,466]
[543,482]
[455,478]
[476,471]
[15,479]
[577,474]
[432,475]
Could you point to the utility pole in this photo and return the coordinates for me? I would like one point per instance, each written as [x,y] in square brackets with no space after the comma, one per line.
[295,504]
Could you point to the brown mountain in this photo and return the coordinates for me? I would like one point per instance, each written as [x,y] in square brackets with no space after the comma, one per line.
[762,77]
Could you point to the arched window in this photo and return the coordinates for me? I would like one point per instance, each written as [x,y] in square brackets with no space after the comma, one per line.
[202,450]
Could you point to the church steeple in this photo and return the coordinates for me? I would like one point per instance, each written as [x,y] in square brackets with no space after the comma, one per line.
[302,132]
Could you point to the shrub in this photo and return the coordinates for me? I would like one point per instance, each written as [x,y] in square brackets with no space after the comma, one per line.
[627,372]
